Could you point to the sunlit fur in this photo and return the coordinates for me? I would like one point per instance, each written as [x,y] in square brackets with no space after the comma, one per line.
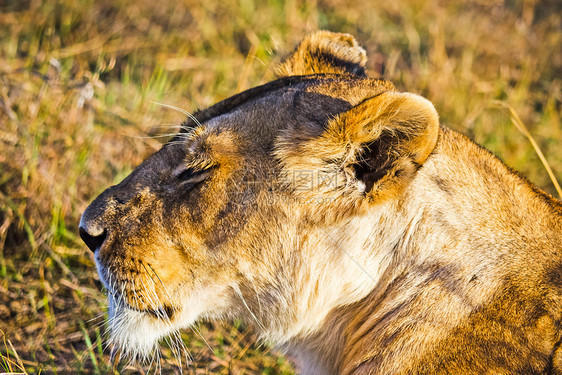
[423,253]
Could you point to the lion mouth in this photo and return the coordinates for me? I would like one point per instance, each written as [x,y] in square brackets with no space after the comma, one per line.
[118,302]
[163,312]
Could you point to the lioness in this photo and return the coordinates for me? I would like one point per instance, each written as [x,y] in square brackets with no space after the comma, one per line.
[335,214]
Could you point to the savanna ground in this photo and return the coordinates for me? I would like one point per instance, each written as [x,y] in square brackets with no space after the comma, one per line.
[77,84]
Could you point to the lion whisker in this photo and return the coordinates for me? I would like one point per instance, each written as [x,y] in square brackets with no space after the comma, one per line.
[152,358]
[239,293]
[167,135]
[188,357]
[257,297]
[176,343]
[156,302]
[163,286]
[187,113]
[97,317]
[169,340]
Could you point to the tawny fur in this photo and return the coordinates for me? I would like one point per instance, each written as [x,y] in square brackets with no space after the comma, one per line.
[335,215]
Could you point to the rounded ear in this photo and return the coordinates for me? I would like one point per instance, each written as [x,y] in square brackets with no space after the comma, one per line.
[324,52]
[388,138]
[374,149]
[365,155]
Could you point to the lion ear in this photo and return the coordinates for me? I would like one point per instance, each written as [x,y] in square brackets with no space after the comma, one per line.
[386,140]
[324,52]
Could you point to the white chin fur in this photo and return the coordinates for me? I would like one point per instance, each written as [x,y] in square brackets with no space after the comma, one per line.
[136,334]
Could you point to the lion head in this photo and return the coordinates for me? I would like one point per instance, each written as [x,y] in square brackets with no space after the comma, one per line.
[256,210]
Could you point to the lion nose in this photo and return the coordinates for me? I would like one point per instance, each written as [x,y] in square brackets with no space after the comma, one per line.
[93,242]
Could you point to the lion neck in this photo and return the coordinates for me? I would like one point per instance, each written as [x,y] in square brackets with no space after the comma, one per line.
[445,220]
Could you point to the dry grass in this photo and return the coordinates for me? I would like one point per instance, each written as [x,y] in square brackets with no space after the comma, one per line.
[76,83]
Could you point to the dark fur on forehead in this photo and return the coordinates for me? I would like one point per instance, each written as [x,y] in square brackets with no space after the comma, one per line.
[237,100]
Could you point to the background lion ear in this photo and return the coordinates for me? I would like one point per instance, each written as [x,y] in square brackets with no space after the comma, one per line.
[324,52]
[389,137]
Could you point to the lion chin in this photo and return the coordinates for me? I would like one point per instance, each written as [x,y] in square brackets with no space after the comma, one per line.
[135,334]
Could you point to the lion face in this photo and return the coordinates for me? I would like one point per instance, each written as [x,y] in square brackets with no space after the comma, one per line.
[229,217]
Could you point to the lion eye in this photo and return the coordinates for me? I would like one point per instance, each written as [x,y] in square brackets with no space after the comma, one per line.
[193,176]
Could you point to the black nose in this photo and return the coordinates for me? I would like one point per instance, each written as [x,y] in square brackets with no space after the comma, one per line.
[93,242]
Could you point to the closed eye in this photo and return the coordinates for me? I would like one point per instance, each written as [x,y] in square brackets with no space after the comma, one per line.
[193,176]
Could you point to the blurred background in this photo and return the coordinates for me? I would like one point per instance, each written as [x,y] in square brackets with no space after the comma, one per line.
[77,84]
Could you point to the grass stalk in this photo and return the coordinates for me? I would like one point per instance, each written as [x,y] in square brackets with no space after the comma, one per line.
[516,120]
